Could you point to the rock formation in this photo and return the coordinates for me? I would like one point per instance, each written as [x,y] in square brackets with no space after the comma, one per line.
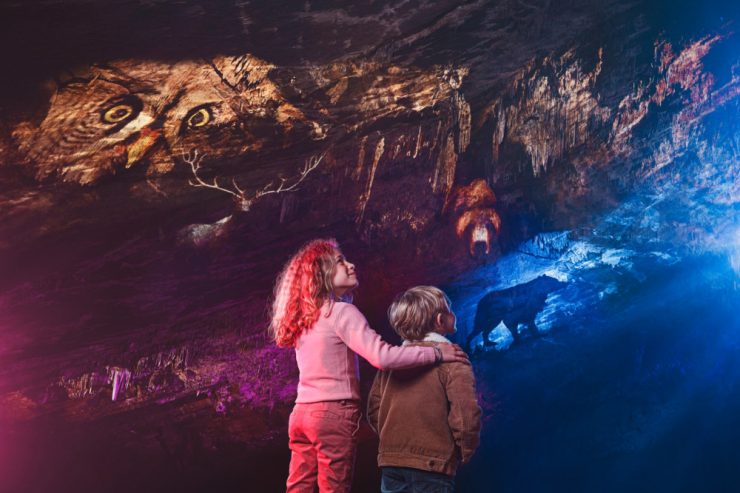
[159,162]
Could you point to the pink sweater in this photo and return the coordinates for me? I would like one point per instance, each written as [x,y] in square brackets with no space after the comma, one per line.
[326,354]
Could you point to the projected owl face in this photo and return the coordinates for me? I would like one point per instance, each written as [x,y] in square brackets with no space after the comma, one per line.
[131,114]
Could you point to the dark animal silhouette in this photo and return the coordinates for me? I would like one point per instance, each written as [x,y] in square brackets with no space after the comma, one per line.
[519,304]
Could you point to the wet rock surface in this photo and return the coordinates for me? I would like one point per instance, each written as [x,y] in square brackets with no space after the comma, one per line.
[159,161]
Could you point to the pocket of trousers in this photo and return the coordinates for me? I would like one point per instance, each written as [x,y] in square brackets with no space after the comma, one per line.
[356,420]
[325,414]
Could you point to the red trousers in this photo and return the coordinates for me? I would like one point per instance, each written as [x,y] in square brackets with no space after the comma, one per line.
[323,440]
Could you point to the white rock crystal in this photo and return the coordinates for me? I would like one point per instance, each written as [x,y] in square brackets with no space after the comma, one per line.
[501,337]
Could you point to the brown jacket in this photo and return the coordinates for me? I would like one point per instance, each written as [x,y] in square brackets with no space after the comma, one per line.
[427,418]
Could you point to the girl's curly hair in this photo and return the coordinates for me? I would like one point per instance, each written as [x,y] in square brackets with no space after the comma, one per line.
[301,288]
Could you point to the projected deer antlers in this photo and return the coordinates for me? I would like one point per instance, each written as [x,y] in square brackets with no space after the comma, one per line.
[242,199]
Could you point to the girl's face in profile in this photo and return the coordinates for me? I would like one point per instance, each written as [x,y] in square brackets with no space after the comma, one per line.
[344,278]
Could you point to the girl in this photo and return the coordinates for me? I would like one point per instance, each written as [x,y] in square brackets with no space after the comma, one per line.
[310,314]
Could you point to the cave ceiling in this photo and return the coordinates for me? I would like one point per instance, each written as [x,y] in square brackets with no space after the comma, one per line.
[160,160]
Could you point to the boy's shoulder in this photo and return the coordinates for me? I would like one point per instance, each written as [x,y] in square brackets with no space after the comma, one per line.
[458,372]
[450,368]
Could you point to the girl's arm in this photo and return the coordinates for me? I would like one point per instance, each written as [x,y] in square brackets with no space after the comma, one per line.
[353,329]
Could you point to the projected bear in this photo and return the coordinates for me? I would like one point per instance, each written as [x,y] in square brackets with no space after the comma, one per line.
[515,306]
[476,220]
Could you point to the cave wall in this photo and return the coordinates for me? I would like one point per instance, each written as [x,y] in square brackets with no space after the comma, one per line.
[160,161]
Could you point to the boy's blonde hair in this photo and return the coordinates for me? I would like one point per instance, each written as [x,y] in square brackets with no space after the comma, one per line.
[413,314]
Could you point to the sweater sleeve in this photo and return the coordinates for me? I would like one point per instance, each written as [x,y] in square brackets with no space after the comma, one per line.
[464,416]
[353,329]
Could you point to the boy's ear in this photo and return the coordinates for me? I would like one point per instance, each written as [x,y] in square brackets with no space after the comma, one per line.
[438,319]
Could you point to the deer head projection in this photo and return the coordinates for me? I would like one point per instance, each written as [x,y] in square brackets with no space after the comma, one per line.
[243,200]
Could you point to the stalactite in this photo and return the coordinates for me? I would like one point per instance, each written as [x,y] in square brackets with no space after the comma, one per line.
[119,379]
[365,197]
[418,143]
[360,159]
[444,172]
[462,119]
[499,130]
[550,114]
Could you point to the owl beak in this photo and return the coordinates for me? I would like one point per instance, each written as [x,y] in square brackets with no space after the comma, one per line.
[137,150]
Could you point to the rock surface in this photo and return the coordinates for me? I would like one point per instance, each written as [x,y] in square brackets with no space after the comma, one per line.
[159,161]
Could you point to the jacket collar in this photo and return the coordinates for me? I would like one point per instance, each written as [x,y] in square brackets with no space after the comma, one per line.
[429,337]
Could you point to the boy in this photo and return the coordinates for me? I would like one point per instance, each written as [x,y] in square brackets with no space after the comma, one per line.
[427,418]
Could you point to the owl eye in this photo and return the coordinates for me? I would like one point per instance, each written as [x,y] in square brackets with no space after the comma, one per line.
[118,113]
[199,117]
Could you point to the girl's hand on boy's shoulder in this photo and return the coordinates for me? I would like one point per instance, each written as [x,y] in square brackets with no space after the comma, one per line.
[452,353]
